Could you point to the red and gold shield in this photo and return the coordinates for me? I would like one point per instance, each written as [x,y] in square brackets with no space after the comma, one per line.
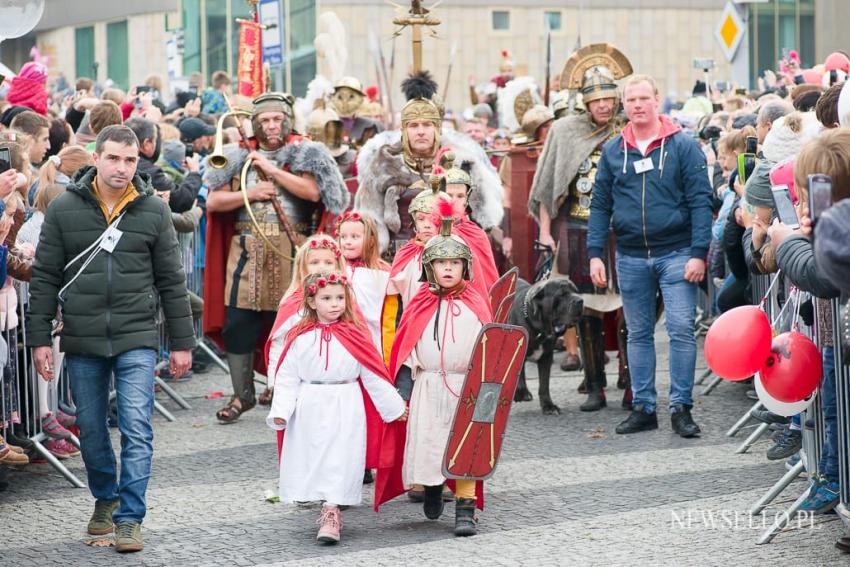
[475,440]
[502,295]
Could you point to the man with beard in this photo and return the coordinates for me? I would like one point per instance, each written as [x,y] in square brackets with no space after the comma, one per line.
[571,152]
[250,250]
[393,171]
[150,145]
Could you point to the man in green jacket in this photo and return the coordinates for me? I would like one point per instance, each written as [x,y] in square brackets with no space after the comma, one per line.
[108,258]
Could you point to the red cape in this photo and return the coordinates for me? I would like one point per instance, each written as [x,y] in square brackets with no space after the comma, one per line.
[288,307]
[484,272]
[388,481]
[358,343]
[404,255]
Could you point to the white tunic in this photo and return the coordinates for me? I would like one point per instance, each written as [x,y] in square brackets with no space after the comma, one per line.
[324,451]
[435,397]
[369,290]
[278,340]
[406,282]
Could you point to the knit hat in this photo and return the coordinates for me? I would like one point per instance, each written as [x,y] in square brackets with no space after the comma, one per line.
[174,151]
[28,88]
[789,134]
[832,256]
[193,128]
[757,190]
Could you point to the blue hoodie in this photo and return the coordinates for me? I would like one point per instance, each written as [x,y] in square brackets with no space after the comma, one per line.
[656,212]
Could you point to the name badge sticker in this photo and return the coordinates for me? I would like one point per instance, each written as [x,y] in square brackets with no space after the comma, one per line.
[110,239]
[644,165]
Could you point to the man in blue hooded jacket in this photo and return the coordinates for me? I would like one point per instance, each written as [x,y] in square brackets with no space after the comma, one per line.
[652,187]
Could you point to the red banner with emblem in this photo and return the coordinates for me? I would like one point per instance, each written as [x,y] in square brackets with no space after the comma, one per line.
[249,74]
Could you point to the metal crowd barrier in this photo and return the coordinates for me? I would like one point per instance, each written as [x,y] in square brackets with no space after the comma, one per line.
[19,398]
[783,316]
[842,386]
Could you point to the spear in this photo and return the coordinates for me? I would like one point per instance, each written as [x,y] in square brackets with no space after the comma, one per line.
[378,56]
[548,64]
[449,71]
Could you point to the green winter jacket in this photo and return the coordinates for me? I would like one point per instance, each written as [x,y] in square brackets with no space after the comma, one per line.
[112,307]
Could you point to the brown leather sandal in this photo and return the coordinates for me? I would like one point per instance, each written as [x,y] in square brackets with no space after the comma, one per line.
[231,412]
[266,397]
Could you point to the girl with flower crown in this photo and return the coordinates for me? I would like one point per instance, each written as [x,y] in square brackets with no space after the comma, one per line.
[332,391]
[357,235]
[317,254]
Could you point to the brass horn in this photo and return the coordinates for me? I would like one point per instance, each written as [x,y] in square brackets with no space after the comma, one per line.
[217,159]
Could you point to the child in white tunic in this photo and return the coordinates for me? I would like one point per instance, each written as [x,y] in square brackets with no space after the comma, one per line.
[357,234]
[319,402]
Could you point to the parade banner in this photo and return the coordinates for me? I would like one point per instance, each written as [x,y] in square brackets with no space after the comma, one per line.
[249,73]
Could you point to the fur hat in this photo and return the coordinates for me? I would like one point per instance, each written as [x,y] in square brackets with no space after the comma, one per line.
[789,134]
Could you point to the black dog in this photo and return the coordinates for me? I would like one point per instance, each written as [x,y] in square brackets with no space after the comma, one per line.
[546,309]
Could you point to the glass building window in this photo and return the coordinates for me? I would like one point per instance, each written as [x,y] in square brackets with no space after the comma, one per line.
[501,20]
[553,20]
[84,52]
[191,36]
[117,56]
[776,27]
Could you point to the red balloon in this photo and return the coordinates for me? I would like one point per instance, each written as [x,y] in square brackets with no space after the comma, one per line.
[738,343]
[794,368]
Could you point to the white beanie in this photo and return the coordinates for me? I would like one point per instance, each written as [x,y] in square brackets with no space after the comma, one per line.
[789,134]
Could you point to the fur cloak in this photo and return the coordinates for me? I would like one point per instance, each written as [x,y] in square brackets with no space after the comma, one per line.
[569,142]
[383,177]
[302,156]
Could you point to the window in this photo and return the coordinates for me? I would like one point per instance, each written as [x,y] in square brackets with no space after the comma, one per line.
[117,57]
[191,36]
[84,52]
[501,20]
[553,20]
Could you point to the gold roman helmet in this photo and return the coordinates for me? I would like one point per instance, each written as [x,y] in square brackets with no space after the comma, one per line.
[348,96]
[424,201]
[274,102]
[536,117]
[445,246]
[420,109]
[593,69]
[324,126]
[454,174]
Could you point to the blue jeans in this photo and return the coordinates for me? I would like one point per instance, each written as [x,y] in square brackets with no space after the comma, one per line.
[828,465]
[640,280]
[90,379]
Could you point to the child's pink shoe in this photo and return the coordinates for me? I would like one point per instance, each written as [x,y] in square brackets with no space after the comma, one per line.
[330,525]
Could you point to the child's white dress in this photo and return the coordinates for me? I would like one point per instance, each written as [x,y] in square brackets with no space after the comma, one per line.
[324,449]
[369,288]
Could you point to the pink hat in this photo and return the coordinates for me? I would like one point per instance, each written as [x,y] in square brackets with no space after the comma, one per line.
[34,71]
[837,61]
[783,174]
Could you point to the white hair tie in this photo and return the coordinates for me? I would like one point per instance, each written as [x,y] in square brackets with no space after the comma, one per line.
[57,161]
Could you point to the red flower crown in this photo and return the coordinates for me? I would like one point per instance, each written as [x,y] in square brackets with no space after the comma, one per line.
[326,280]
[328,244]
[347,216]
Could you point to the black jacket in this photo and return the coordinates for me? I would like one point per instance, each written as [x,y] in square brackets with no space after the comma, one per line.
[182,195]
[112,307]
[733,234]
[796,258]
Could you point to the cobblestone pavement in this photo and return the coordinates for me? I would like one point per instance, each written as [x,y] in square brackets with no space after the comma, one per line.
[568,491]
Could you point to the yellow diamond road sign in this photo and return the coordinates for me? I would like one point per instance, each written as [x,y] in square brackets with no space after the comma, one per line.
[730,30]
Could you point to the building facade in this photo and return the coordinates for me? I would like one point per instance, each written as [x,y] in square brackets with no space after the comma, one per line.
[121,41]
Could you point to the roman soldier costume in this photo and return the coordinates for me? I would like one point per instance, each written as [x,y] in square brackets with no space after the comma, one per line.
[391,174]
[563,185]
[347,101]
[249,250]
